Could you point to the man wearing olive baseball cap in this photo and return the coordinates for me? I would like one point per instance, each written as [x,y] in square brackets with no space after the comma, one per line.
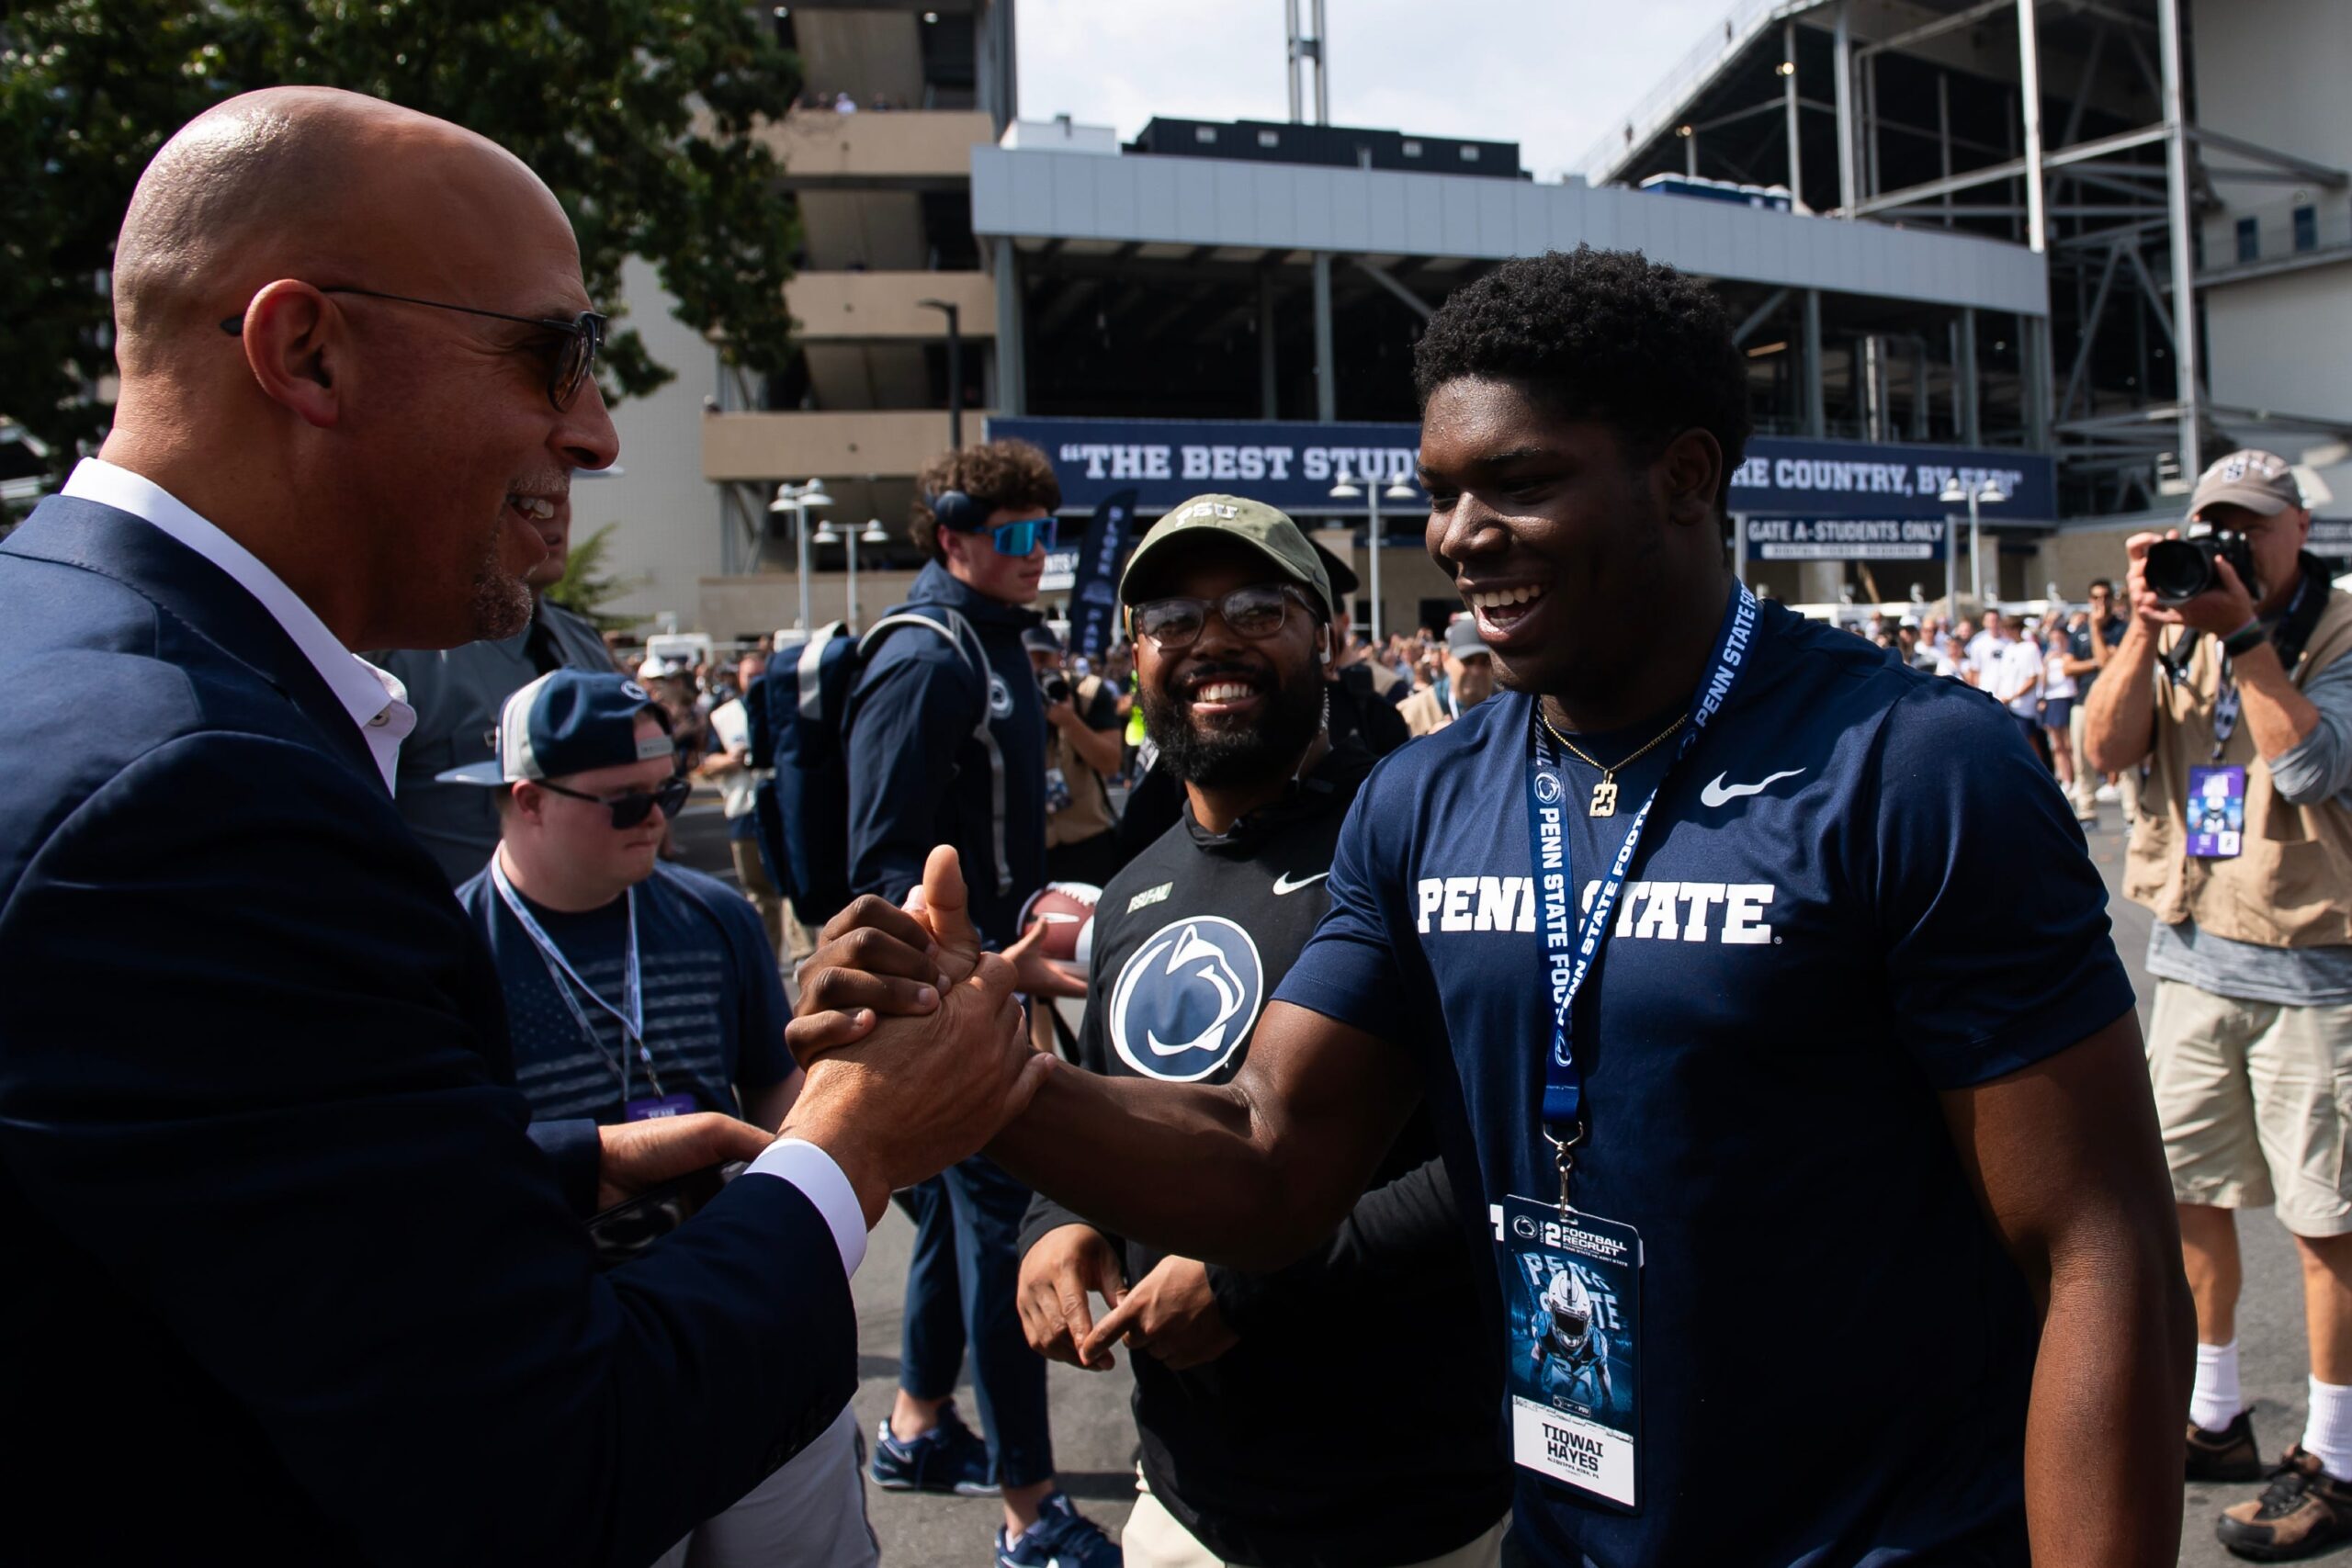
[1253,525]
[1230,606]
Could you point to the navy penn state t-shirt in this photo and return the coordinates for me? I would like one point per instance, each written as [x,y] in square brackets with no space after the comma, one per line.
[1859,888]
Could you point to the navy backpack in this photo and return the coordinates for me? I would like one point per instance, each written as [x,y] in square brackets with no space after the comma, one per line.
[794,716]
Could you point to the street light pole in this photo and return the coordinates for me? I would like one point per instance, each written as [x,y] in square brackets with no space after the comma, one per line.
[1951,571]
[954,369]
[798,500]
[1344,489]
[1975,553]
[850,537]
[1983,492]
[874,534]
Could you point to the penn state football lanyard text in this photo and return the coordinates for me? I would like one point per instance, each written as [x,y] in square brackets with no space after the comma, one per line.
[1569,947]
[630,1014]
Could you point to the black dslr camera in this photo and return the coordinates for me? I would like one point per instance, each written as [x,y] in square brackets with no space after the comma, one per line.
[1055,685]
[2180,569]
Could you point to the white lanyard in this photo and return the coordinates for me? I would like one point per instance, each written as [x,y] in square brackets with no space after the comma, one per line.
[630,1014]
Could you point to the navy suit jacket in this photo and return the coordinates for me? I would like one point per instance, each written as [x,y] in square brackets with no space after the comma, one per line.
[286,1279]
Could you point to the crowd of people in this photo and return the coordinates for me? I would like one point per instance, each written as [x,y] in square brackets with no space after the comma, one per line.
[1483,1112]
[2041,668]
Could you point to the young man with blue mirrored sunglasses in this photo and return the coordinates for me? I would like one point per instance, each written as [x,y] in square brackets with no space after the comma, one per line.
[946,731]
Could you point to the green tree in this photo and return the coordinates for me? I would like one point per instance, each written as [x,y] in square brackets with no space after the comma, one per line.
[636,113]
[586,587]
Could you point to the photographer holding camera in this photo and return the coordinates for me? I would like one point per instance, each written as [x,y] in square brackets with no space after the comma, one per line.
[1083,750]
[2232,684]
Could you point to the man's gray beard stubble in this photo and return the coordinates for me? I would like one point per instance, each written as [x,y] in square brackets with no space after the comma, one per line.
[502,603]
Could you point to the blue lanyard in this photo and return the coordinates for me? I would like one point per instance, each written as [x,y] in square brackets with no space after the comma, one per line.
[630,1015]
[1568,947]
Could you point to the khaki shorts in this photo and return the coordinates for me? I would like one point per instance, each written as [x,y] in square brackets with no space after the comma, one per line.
[809,1513]
[1153,1539]
[2255,1099]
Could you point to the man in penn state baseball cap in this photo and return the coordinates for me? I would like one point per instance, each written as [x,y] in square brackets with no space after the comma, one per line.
[568,721]
[2260,481]
[1253,523]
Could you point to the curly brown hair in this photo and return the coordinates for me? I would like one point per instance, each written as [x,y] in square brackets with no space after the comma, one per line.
[1000,475]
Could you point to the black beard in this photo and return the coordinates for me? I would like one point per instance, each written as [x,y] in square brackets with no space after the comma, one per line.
[1224,758]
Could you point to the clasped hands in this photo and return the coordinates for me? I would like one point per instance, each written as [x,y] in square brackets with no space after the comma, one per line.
[913,1039]
[880,971]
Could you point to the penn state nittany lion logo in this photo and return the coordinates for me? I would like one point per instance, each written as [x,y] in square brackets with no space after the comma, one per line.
[1185,1001]
[1000,697]
[1547,787]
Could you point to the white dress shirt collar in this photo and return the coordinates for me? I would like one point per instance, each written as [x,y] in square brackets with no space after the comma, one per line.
[376,700]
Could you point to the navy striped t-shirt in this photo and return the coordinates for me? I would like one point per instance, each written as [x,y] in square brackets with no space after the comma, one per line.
[714,1006]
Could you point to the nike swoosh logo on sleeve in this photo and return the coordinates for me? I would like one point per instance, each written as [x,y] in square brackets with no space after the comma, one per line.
[1718,793]
[1283,884]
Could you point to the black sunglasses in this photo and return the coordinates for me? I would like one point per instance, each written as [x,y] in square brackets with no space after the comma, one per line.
[1257,612]
[634,807]
[584,338]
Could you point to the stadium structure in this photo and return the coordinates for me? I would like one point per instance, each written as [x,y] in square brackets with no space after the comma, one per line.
[1950,235]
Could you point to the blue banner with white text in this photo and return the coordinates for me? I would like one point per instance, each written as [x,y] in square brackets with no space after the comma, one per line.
[1294,464]
[1095,593]
[1846,538]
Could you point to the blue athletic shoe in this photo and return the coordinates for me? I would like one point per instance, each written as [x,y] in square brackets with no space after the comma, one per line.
[1062,1538]
[949,1457]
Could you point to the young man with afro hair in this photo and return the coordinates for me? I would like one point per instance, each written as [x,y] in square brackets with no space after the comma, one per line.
[1761,991]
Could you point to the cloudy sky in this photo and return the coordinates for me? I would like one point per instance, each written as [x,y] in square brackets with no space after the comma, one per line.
[1550,75]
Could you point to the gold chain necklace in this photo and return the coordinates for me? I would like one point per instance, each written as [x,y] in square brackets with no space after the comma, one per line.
[1604,794]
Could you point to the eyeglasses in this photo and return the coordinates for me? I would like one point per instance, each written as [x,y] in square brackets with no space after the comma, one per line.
[1021,539]
[634,807]
[566,373]
[1257,613]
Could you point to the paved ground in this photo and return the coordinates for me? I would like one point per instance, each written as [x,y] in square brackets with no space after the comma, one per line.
[2274,1363]
[1094,1438]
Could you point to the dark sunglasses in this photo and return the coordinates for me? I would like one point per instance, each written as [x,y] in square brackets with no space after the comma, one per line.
[1021,539]
[1257,613]
[634,807]
[584,337]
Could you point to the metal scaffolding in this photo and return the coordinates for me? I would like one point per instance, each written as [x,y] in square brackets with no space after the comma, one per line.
[2117,389]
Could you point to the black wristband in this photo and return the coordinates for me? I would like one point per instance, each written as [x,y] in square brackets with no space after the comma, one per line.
[2244,641]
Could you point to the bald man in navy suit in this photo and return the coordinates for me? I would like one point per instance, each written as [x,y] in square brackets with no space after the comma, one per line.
[289,1278]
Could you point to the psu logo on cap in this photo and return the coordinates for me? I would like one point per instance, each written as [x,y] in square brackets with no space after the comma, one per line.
[1185,1003]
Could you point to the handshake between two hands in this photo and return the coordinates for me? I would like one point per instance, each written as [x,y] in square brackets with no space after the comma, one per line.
[913,1039]
[917,1054]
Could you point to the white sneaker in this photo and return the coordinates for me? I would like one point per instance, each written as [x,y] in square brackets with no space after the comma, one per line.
[2107,795]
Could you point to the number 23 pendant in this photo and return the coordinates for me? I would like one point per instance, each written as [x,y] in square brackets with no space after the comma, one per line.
[1604,797]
